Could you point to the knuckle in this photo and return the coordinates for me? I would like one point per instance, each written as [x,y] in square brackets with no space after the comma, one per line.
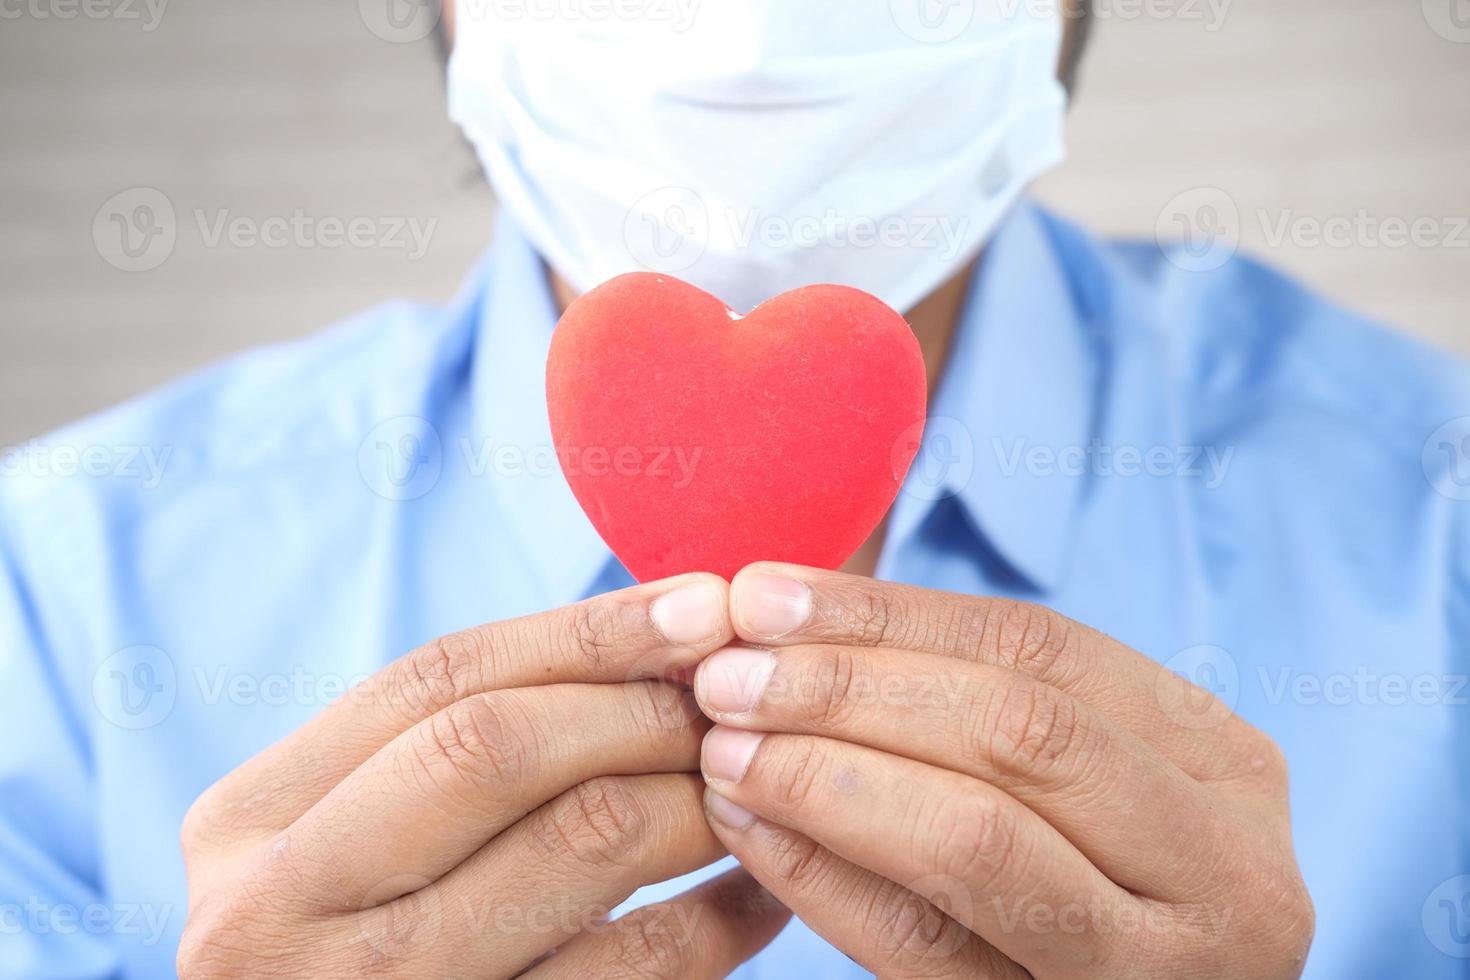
[231,938]
[1288,917]
[649,949]
[661,709]
[800,861]
[876,619]
[476,740]
[389,939]
[1031,639]
[1302,925]
[794,777]
[1035,730]
[591,633]
[221,819]
[200,958]
[910,931]
[445,669]
[597,823]
[1269,902]
[217,820]
[200,828]
[1267,761]
[971,839]
[834,681]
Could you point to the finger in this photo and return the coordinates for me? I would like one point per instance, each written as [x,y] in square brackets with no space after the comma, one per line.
[553,876]
[651,630]
[931,829]
[439,791]
[887,928]
[783,605]
[1085,776]
[704,933]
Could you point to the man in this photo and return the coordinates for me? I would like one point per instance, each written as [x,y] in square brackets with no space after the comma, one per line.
[970,753]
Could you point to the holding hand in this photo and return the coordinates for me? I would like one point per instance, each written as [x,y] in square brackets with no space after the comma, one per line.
[949,786]
[479,803]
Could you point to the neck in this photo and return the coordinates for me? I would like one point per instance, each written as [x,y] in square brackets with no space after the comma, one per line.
[935,319]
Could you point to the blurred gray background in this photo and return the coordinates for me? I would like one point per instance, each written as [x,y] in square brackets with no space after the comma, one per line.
[1322,133]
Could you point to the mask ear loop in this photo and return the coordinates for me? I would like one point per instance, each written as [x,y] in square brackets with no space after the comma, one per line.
[1077,29]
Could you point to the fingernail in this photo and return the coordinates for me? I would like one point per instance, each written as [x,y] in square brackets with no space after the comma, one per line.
[733,680]
[728,751]
[732,815]
[772,606]
[690,614]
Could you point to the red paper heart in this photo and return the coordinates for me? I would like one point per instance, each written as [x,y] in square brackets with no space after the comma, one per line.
[699,440]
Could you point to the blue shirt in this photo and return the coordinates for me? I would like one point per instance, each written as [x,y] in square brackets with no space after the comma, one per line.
[1219,469]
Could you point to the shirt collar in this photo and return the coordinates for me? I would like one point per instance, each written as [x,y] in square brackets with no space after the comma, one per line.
[1015,408]
[1017,396]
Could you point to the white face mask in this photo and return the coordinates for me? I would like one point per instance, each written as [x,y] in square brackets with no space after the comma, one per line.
[753,146]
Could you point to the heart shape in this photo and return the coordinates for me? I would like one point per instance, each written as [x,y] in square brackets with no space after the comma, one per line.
[699,440]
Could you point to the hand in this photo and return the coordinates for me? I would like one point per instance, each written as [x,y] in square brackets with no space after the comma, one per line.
[478,803]
[968,787]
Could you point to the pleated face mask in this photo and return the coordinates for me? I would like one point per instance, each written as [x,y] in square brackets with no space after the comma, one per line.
[754,146]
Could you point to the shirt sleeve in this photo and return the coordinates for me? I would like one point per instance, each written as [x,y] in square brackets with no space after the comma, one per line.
[54,919]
